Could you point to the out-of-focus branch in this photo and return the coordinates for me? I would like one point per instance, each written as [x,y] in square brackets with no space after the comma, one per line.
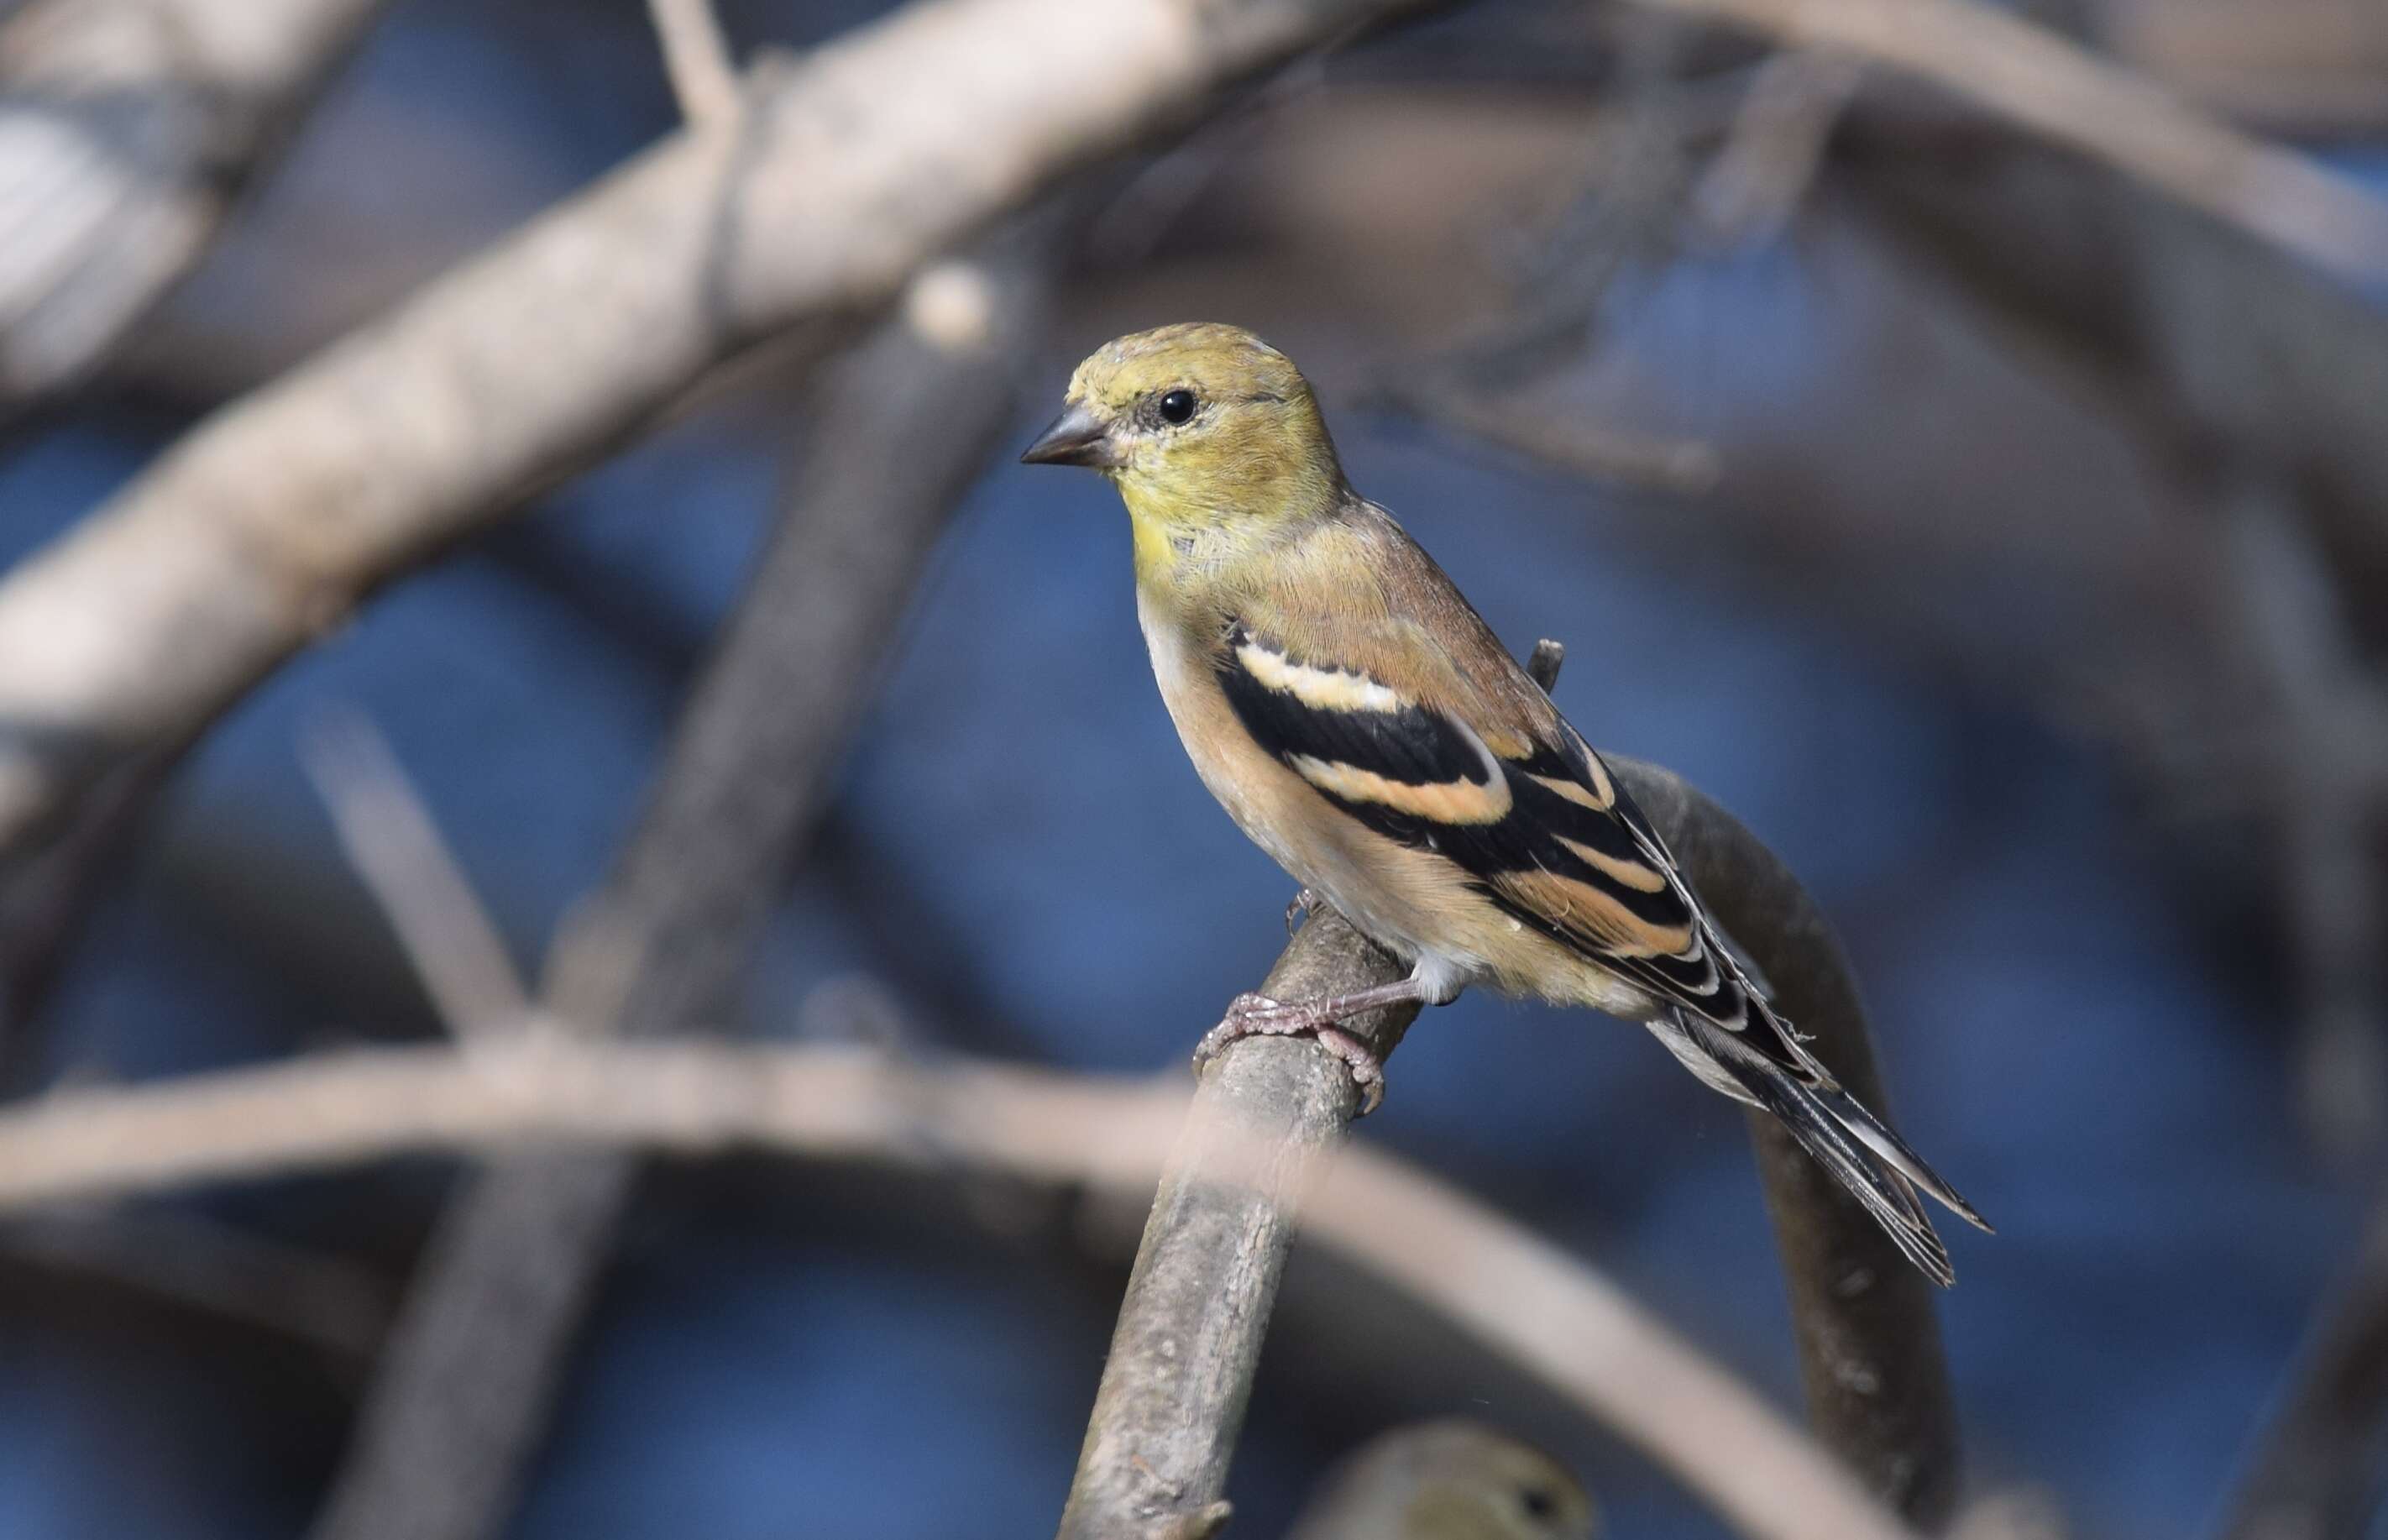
[390,839]
[2313,767]
[264,525]
[2197,332]
[195,1264]
[1756,181]
[1870,1348]
[2061,92]
[1173,1387]
[126,127]
[1597,452]
[1524,1298]
[907,422]
[697,59]
[2314,1474]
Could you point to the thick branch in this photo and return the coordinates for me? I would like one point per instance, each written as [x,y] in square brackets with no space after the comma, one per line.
[263,527]
[1523,1297]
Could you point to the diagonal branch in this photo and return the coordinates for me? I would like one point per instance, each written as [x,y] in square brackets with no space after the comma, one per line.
[390,839]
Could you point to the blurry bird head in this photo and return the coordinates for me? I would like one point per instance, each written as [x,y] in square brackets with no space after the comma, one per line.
[1203,428]
[1449,1480]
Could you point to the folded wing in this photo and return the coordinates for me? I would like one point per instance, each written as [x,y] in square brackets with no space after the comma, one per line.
[1523,805]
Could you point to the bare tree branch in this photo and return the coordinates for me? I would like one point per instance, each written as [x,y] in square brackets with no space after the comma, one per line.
[394,846]
[186,1260]
[269,522]
[1756,181]
[1522,1297]
[696,56]
[126,126]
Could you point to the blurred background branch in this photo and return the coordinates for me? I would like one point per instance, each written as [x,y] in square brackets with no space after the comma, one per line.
[127,129]
[697,56]
[1519,1295]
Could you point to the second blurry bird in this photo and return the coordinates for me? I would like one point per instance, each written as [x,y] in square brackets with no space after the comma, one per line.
[1360,721]
[1452,1479]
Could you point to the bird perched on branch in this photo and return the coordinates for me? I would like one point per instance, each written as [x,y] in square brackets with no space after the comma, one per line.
[1360,721]
[1452,1480]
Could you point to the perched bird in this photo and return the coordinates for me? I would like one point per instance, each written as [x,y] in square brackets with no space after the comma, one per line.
[1363,726]
[1447,1480]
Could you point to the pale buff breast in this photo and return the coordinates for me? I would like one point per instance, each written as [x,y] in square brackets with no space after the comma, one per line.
[1416,904]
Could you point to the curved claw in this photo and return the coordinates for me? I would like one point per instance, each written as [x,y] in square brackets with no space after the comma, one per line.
[1256,1015]
[1301,908]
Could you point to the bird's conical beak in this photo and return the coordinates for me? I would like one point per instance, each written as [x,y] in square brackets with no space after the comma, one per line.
[1077,438]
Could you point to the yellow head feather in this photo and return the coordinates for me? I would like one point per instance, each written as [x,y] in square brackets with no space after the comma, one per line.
[1212,437]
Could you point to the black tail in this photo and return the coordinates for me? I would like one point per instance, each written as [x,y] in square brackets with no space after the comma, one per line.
[1862,1153]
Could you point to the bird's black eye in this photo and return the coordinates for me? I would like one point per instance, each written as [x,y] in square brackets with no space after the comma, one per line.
[1177,406]
[1540,1502]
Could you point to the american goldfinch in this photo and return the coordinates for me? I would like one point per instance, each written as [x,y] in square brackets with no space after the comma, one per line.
[1363,726]
[1448,1481]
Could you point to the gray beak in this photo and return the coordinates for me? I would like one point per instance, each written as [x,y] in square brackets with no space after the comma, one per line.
[1077,438]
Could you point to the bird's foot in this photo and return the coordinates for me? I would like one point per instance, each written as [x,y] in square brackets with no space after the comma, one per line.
[1303,904]
[1250,1015]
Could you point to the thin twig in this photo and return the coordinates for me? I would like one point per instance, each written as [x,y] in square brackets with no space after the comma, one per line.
[696,57]
[907,421]
[1755,183]
[1599,451]
[2060,90]
[187,1260]
[396,847]
[1544,1311]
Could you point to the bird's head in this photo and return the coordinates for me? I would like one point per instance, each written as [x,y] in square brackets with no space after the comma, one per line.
[1201,426]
